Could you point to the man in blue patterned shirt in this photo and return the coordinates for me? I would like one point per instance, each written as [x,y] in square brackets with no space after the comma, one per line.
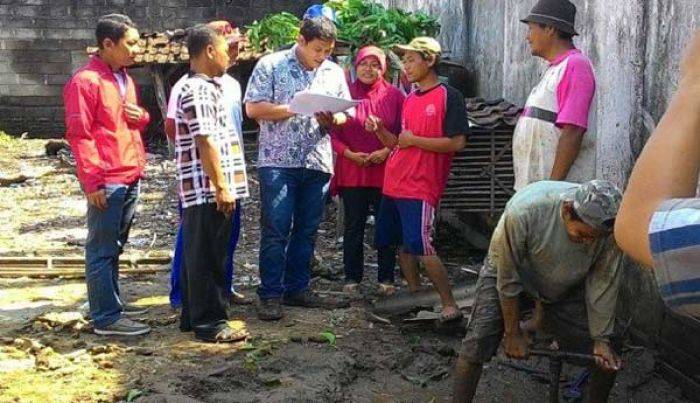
[295,162]
[659,220]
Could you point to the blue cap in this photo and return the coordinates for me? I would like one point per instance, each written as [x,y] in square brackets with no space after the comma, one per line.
[319,10]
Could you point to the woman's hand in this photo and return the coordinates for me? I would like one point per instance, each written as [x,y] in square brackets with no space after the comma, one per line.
[361,159]
[373,124]
[379,156]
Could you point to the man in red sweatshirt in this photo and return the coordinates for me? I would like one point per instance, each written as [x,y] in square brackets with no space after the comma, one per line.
[103,127]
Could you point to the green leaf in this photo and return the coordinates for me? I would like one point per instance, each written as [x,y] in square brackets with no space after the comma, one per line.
[247,347]
[329,336]
[133,395]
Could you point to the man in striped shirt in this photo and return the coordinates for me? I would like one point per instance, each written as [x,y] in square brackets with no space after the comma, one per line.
[211,175]
[659,220]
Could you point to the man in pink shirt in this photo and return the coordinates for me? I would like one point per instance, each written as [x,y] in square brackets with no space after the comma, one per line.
[552,140]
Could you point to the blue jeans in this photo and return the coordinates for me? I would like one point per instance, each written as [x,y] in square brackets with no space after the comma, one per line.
[292,202]
[175,291]
[108,232]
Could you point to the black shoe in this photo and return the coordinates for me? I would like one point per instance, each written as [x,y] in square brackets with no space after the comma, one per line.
[308,300]
[270,309]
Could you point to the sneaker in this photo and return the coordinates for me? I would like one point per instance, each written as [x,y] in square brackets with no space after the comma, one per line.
[123,327]
[85,310]
[270,309]
[308,300]
[133,310]
[127,309]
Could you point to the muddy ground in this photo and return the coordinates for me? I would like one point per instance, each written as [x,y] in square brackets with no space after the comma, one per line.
[48,354]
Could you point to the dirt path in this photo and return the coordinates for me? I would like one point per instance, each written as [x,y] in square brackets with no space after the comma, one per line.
[48,354]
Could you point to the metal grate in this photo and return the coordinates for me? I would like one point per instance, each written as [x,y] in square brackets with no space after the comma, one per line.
[481,179]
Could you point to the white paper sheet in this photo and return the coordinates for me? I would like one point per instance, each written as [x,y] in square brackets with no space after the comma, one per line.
[308,103]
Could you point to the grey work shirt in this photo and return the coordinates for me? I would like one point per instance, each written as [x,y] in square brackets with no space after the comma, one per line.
[297,142]
[531,251]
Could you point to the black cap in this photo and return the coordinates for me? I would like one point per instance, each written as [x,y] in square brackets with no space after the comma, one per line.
[560,14]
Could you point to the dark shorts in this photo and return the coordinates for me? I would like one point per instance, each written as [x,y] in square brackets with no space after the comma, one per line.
[566,320]
[406,223]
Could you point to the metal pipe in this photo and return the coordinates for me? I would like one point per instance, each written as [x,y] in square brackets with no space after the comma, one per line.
[555,366]
[556,359]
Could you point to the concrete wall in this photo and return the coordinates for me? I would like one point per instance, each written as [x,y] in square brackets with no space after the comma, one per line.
[635,46]
[450,13]
[43,41]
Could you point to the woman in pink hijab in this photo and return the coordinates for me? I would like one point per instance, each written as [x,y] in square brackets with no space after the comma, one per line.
[359,169]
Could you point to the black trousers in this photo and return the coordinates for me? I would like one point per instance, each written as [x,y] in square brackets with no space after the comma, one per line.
[206,234]
[357,203]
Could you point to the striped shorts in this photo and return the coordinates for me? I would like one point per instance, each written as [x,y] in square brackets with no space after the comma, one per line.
[407,223]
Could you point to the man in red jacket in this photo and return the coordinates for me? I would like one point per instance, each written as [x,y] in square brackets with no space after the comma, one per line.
[103,127]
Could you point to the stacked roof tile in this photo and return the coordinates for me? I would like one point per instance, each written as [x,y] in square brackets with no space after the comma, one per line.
[170,47]
[492,114]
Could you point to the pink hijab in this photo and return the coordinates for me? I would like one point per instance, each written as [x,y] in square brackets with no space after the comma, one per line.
[380,99]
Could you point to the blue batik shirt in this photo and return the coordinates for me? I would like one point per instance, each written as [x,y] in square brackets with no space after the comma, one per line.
[297,142]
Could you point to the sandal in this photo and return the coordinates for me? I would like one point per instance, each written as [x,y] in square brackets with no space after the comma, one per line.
[224,335]
[456,315]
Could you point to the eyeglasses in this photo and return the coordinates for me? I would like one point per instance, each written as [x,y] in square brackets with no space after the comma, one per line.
[370,65]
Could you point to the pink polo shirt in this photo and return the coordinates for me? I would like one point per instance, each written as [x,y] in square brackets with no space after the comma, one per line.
[576,89]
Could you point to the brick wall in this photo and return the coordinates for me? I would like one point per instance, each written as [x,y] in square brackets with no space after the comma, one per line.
[43,41]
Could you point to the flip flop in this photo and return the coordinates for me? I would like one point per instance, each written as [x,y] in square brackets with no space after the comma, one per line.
[225,335]
[452,317]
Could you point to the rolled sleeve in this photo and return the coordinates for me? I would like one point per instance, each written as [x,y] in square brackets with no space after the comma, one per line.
[602,286]
[508,247]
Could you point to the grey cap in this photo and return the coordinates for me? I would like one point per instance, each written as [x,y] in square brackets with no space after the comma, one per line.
[561,14]
[596,203]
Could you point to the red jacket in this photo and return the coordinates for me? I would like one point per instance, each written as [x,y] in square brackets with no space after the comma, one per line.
[106,147]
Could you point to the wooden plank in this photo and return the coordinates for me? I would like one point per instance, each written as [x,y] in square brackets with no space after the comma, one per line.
[159,86]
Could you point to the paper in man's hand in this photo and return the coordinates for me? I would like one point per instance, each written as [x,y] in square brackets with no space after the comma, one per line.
[308,103]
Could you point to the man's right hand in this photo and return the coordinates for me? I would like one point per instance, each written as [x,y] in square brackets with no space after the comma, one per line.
[516,346]
[225,203]
[97,199]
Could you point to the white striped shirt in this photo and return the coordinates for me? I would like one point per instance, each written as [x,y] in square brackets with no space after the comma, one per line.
[201,111]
